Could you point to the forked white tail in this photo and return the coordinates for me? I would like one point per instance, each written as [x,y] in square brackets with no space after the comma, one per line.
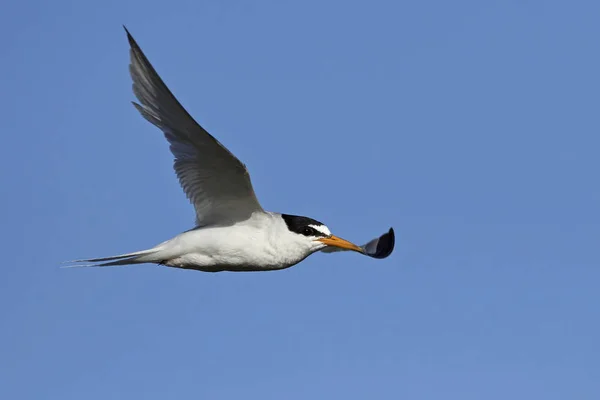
[138,257]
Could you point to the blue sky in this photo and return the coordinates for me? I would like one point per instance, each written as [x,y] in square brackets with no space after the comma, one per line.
[471,127]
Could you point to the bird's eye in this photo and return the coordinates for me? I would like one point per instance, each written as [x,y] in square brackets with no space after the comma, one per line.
[307,231]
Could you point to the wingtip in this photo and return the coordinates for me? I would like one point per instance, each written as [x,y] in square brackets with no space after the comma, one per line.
[387,243]
[130,38]
[382,246]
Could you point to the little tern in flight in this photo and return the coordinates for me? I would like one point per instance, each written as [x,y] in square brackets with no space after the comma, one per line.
[233,232]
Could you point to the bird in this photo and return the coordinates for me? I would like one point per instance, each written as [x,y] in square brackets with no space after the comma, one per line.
[232,231]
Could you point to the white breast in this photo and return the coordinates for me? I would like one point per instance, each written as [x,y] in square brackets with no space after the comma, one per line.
[261,243]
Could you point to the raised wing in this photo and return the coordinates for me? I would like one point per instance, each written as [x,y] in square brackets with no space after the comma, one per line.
[214,180]
[380,247]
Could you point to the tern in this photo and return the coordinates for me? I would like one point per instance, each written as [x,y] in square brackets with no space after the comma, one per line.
[232,232]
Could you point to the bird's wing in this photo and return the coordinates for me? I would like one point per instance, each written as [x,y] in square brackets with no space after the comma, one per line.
[380,247]
[214,180]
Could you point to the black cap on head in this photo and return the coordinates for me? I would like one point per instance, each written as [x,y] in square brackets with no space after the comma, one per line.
[303,225]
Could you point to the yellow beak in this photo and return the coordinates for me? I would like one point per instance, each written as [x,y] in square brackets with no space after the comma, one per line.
[341,243]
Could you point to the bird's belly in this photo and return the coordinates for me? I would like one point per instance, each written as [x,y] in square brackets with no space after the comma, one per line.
[245,248]
[201,262]
[245,261]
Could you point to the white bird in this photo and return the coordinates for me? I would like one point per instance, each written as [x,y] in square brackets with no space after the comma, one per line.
[233,232]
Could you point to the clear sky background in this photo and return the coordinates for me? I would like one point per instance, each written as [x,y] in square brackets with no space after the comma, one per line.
[471,127]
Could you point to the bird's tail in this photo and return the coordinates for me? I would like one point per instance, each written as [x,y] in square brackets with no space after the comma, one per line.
[138,257]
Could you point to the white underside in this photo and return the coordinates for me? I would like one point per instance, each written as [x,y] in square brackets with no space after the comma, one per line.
[260,243]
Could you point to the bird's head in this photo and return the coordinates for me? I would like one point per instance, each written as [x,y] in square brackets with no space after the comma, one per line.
[316,235]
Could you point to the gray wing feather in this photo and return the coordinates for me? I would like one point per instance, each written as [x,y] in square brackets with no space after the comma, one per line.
[214,180]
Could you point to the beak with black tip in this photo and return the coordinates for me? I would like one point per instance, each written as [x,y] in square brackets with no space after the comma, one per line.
[380,247]
[340,243]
